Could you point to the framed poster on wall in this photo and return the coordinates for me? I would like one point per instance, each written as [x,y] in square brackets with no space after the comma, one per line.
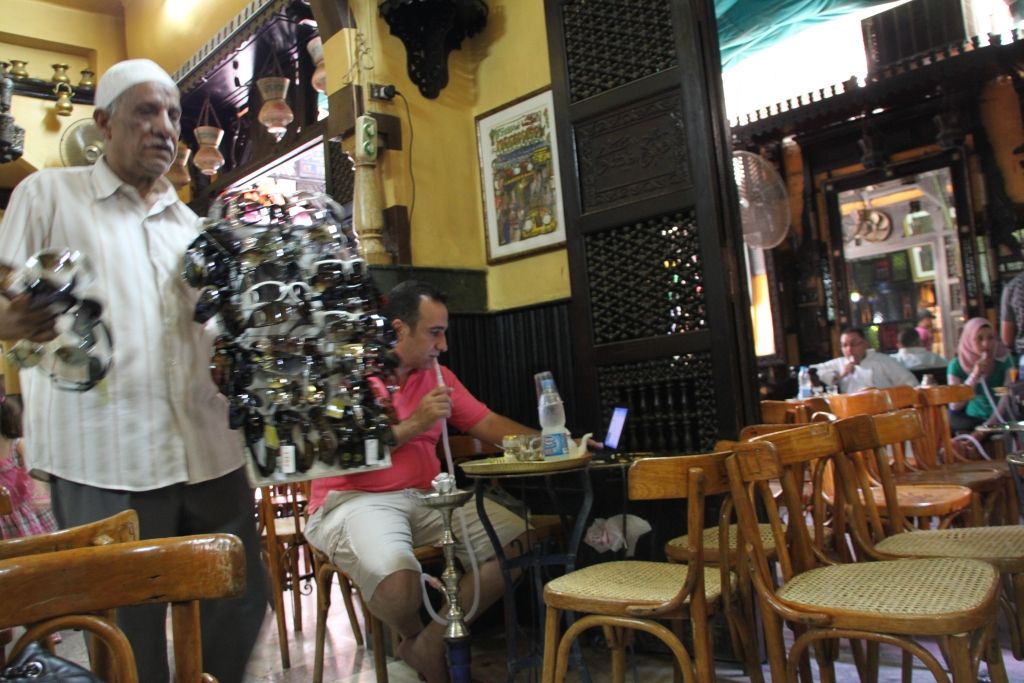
[519,174]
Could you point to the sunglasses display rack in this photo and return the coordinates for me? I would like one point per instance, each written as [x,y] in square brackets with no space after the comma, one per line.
[303,356]
[81,355]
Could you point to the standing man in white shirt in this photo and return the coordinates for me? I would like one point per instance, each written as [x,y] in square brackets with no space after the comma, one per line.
[861,367]
[152,436]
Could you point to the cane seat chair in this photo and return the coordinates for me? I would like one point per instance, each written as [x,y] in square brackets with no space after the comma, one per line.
[280,522]
[891,602]
[883,535]
[74,588]
[623,596]
[988,486]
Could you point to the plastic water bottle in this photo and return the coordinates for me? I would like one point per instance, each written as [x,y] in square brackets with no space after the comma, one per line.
[804,379]
[551,410]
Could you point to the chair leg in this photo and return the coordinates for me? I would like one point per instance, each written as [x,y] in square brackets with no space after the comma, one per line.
[773,643]
[994,657]
[380,661]
[958,654]
[552,633]
[617,639]
[323,604]
[292,557]
[282,627]
[346,595]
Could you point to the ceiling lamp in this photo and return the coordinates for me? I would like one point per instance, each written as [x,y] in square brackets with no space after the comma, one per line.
[315,47]
[208,158]
[275,114]
[178,172]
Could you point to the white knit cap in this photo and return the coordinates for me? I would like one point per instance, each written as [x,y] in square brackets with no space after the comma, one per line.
[124,75]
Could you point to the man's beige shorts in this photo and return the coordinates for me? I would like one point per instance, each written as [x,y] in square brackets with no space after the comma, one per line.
[372,535]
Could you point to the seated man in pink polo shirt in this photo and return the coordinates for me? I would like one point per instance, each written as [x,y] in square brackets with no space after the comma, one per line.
[369,526]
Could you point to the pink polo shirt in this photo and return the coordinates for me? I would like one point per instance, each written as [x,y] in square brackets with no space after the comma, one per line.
[413,464]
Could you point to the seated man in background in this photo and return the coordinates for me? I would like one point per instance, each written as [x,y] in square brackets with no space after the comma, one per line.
[861,367]
[368,525]
[912,354]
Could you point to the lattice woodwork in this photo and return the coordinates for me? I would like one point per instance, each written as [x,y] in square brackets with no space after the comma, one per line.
[646,279]
[609,43]
[633,153]
[671,403]
[341,177]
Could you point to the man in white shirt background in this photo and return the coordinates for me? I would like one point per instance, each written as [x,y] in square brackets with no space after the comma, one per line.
[912,354]
[861,367]
[153,435]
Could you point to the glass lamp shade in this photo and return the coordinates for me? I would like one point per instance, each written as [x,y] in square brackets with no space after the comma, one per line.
[275,114]
[208,158]
[315,47]
[178,172]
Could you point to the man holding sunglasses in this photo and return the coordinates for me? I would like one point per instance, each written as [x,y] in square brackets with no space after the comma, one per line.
[153,435]
[369,526]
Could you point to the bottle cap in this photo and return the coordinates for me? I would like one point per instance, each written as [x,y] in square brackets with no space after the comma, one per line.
[547,385]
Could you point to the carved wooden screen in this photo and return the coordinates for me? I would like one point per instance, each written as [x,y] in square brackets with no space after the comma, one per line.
[658,313]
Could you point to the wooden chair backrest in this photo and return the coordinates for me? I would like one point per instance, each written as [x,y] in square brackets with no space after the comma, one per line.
[692,477]
[867,402]
[866,464]
[777,412]
[6,507]
[902,396]
[801,457]
[935,405]
[65,589]
[118,528]
[752,431]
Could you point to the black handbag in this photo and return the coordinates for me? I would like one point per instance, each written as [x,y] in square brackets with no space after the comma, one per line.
[36,664]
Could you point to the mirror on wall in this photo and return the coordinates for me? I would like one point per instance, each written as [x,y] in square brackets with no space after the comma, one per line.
[902,259]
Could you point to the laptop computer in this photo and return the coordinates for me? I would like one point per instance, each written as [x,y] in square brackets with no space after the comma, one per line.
[612,439]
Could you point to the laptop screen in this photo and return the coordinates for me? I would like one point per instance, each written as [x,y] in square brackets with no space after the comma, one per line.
[615,426]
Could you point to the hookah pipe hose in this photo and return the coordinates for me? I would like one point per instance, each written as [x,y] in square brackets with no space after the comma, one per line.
[426,578]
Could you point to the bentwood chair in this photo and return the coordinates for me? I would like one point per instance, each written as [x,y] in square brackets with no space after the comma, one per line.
[988,486]
[324,572]
[628,595]
[954,600]
[280,524]
[881,533]
[118,528]
[73,588]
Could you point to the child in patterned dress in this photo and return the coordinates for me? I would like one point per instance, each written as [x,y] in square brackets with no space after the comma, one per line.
[31,507]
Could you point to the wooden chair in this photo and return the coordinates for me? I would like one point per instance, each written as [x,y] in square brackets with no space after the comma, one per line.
[988,486]
[880,533]
[630,595]
[118,528]
[881,602]
[280,523]
[71,588]
[325,571]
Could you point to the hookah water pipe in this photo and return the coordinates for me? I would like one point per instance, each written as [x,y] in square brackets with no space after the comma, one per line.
[445,498]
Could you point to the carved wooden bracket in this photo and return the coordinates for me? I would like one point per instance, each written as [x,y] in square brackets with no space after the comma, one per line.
[430,30]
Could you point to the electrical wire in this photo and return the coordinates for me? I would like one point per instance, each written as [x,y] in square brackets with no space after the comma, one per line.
[412,176]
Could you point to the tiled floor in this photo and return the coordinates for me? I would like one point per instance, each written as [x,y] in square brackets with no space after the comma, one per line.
[345,662]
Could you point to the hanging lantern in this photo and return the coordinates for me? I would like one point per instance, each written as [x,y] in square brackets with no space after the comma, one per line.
[315,47]
[275,114]
[208,158]
[64,93]
[178,172]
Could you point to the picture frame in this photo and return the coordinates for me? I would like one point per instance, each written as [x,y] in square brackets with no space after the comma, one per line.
[922,263]
[520,178]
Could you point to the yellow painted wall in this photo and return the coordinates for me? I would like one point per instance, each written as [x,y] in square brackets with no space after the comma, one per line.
[507,60]
[42,34]
[170,31]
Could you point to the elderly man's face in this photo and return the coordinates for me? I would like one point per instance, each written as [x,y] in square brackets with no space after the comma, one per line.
[141,134]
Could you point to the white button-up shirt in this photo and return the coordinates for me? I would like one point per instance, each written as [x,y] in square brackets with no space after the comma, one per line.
[157,419]
[878,370]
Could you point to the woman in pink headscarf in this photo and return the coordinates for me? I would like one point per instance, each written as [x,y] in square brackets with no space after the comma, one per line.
[982,362]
